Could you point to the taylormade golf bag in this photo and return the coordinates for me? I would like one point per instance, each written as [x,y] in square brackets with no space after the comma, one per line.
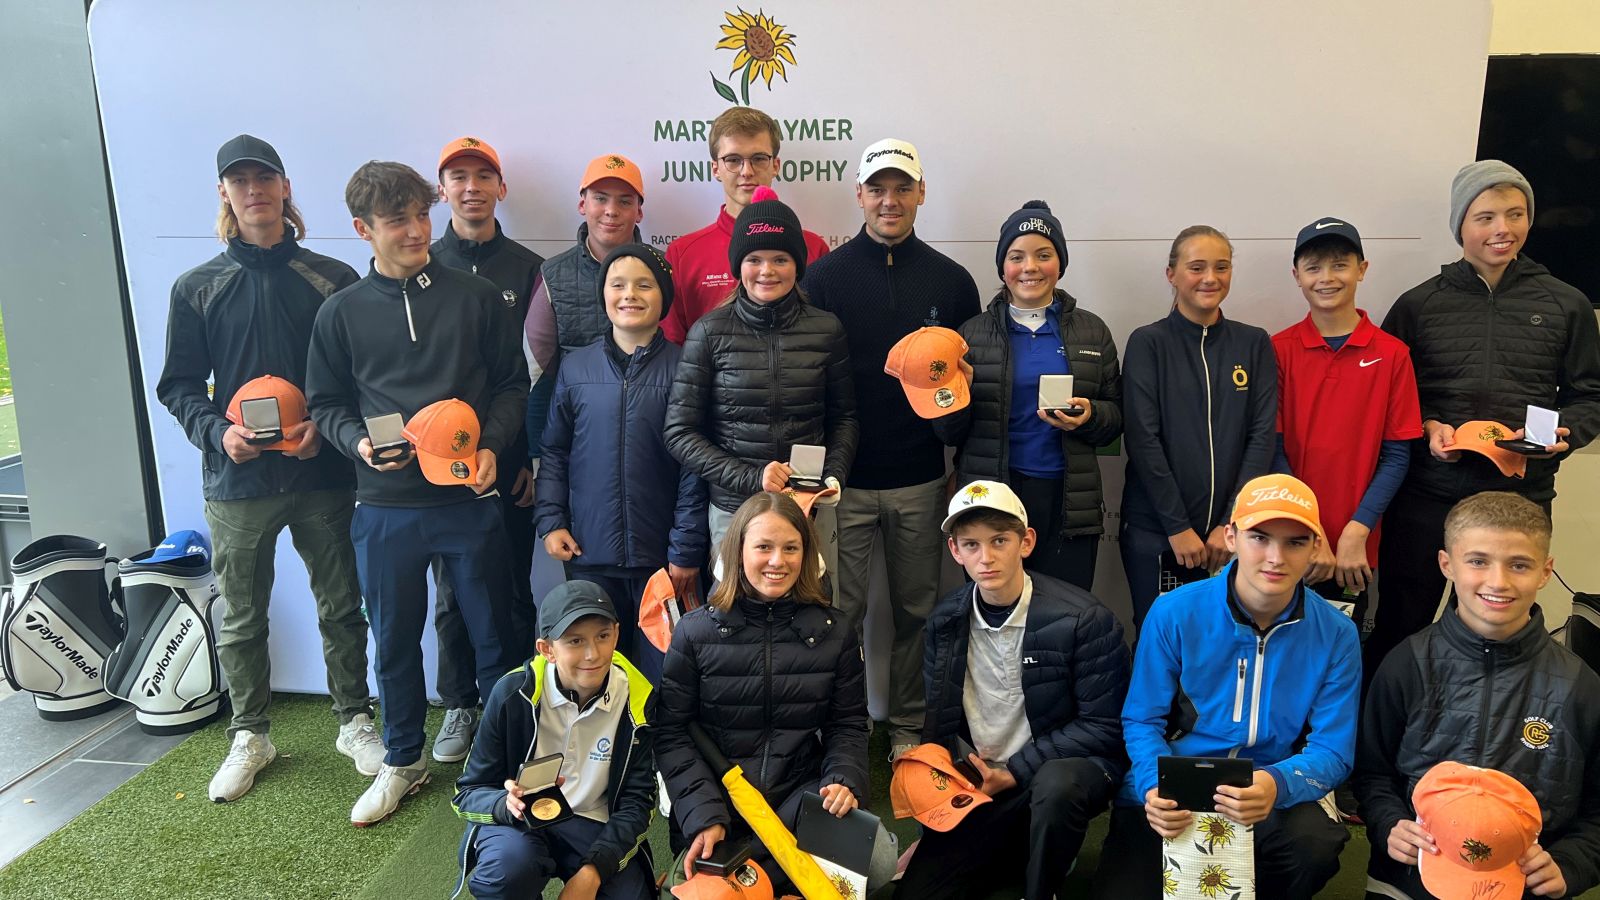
[57,626]
[167,665]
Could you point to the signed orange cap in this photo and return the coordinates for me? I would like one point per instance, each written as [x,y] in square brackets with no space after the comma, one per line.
[927,787]
[928,363]
[291,405]
[446,437]
[1482,821]
[469,146]
[1479,436]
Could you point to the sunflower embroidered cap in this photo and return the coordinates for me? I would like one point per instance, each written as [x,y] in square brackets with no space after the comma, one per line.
[613,165]
[1482,821]
[1479,436]
[928,363]
[446,437]
[984,495]
[927,787]
[469,146]
[291,406]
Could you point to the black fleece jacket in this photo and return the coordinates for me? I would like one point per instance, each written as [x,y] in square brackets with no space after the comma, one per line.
[394,346]
[513,268]
[1199,407]
[881,294]
[245,313]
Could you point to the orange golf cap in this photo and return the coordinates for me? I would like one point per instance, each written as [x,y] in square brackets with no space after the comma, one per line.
[616,166]
[655,620]
[291,405]
[469,146]
[807,500]
[446,437]
[928,363]
[1272,497]
[1479,436]
[1482,821]
[927,787]
[747,881]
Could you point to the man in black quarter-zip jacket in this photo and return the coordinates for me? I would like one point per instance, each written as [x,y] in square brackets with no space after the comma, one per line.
[470,181]
[411,334]
[884,284]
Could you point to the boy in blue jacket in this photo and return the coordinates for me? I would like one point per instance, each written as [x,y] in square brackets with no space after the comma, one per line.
[583,700]
[611,502]
[1248,664]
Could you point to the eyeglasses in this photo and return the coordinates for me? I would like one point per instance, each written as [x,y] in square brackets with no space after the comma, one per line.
[736,162]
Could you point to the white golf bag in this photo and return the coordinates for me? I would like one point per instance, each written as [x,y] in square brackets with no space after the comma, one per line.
[167,665]
[57,627]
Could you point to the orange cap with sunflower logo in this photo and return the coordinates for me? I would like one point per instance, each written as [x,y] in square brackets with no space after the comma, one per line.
[469,146]
[928,787]
[612,165]
[1479,436]
[928,363]
[1482,821]
[446,437]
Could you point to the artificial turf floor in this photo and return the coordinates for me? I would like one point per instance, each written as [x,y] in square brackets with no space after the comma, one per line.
[290,837]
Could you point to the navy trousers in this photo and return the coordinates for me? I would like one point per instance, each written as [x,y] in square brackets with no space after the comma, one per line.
[516,864]
[393,548]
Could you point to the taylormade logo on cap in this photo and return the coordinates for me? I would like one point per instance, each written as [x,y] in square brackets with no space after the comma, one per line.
[1038,225]
[1264,495]
[891,150]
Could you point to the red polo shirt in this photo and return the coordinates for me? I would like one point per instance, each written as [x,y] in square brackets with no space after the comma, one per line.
[700,276]
[1335,410]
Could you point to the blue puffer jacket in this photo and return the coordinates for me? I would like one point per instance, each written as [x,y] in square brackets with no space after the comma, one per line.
[607,476]
[1252,693]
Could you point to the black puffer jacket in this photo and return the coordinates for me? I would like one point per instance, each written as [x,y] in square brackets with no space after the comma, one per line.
[779,689]
[755,380]
[1526,706]
[1482,354]
[1075,671]
[981,431]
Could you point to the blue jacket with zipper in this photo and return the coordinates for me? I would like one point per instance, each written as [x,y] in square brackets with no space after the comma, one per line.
[606,475]
[505,740]
[1208,682]
[1199,419]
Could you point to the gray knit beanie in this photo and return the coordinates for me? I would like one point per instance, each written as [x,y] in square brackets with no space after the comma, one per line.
[1474,179]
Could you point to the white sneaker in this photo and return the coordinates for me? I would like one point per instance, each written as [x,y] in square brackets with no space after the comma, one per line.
[249,754]
[392,785]
[360,741]
[454,740]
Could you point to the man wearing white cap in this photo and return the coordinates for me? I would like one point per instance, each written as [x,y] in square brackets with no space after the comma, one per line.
[884,284]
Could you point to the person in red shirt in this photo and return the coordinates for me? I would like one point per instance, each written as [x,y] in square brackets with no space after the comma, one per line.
[744,156]
[1347,408]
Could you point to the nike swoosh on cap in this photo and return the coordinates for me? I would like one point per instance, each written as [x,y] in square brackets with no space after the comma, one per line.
[1368,362]
[1322,225]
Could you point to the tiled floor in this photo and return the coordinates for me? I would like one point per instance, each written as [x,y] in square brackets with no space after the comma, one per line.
[51,771]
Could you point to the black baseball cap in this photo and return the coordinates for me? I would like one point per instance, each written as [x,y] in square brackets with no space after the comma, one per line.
[248,148]
[1325,226]
[570,601]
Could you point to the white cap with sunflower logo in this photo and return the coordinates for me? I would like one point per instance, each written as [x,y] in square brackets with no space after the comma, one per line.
[985,495]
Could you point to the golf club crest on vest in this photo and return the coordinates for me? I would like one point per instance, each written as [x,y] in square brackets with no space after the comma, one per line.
[167,665]
[57,626]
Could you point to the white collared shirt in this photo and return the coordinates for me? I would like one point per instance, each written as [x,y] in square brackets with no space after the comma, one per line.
[991,698]
[584,738]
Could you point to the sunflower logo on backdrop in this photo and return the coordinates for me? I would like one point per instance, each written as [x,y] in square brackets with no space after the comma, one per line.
[763,47]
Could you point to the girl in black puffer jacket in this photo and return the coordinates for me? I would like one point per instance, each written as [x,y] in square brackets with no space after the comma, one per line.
[762,373]
[772,674]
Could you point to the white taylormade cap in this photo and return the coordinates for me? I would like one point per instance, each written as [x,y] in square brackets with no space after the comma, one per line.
[890,154]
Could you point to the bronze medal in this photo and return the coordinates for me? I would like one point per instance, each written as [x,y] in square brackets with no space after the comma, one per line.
[544,809]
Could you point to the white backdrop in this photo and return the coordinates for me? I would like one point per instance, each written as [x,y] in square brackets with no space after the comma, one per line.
[1132,120]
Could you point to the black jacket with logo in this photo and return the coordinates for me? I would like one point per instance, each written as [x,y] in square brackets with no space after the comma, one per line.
[982,431]
[395,346]
[247,312]
[881,294]
[1488,355]
[1526,706]
[514,269]
[1075,672]
[756,379]
[1200,406]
